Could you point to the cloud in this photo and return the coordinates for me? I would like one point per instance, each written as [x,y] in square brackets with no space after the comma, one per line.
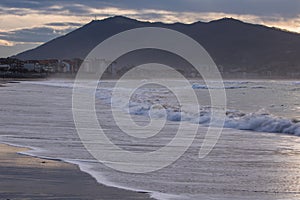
[38,12]
[286,9]
[40,28]
[6,43]
[64,24]
[6,51]
[33,35]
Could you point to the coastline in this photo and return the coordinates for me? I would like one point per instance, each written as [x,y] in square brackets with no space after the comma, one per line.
[252,163]
[26,177]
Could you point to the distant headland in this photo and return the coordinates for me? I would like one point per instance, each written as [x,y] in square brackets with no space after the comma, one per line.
[239,49]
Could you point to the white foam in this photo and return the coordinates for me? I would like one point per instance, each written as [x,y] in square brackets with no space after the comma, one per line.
[237,120]
[86,167]
[262,122]
[257,121]
[204,86]
[54,83]
[296,83]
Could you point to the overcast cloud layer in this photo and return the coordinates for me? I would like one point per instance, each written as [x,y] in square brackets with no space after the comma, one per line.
[27,23]
[286,8]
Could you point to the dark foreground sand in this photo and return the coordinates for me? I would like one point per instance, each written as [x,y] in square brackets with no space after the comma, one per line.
[24,177]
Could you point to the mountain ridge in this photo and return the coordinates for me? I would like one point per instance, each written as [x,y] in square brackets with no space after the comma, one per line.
[233,44]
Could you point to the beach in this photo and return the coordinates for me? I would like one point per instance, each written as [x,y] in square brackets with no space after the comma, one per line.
[141,100]
[25,177]
[251,160]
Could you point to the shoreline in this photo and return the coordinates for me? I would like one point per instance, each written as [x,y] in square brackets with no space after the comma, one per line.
[27,177]
[73,77]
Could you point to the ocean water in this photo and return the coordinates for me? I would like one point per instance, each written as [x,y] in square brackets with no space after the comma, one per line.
[256,157]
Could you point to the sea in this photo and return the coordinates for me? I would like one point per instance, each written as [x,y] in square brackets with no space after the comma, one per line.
[257,155]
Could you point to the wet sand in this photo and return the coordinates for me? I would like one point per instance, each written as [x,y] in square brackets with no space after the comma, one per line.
[25,177]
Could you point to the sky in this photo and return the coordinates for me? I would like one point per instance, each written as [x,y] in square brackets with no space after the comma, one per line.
[25,24]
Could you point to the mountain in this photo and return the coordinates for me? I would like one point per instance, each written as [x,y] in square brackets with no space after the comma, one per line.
[235,46]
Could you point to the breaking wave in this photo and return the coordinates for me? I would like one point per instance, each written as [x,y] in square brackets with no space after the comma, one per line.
[260,121]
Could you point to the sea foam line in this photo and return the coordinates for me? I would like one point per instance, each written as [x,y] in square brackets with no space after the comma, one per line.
[85,167]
